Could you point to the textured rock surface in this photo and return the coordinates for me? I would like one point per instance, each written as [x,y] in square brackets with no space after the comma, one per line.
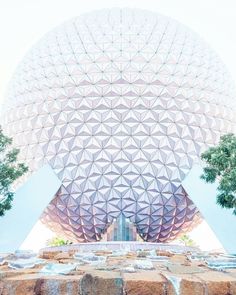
[38,285]
[140,284]
[175,272]
[101,283]
[191,285]
[217,283]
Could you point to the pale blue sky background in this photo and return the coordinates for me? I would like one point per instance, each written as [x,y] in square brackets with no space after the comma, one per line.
[23,22]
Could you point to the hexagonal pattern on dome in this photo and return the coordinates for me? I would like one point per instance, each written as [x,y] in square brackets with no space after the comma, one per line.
[120,103]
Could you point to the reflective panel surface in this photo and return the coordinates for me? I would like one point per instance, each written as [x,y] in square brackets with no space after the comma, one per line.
[120,103]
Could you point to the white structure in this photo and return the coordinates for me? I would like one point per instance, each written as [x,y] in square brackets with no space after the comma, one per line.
[120,103]
[221,220]
[29,202]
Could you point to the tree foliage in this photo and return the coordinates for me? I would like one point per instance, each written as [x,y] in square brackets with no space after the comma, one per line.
[10,170]
[221,166]
[57,241]
[187,241]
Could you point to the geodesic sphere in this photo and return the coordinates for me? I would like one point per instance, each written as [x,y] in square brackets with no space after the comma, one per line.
[120,103]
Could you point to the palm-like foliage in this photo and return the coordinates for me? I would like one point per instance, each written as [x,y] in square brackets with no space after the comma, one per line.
[10,170]
[221,165]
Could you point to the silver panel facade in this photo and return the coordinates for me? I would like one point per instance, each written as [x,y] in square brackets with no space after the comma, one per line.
[120,103]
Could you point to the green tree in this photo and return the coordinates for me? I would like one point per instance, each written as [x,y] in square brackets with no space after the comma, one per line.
[221,165]
[187,241]
[57,241]
[10,170]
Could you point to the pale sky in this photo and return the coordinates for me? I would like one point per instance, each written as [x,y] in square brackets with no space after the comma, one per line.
[24,22]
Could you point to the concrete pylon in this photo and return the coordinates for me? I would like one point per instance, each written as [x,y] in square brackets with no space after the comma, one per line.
[221,220]
[29,202]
